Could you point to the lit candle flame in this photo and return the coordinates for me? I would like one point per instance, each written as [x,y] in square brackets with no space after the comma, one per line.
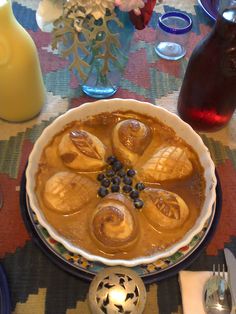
[117,295]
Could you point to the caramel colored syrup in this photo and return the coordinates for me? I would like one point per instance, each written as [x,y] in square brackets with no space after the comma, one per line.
[75,227]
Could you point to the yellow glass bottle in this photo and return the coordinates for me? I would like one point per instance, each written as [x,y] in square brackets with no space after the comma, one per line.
[22,92]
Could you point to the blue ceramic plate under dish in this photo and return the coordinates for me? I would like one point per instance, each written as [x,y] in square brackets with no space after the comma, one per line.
[79,266]
[5,304]
[210,7]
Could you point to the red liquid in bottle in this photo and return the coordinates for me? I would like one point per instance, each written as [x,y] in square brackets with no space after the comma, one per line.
[207,97]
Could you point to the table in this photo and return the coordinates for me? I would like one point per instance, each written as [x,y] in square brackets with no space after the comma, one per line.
[39,286]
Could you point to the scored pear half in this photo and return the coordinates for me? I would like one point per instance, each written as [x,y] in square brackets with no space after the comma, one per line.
[82,151]
[67,192]
[167,163]
[164,209]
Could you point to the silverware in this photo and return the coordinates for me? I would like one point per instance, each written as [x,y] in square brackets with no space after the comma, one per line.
[231,265]
[216,295]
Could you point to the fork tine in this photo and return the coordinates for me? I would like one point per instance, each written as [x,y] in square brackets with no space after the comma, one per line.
[223,271]
[222,284]
[214,269]
[216,293]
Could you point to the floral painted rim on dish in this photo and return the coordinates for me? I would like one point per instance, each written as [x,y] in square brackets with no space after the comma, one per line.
[81,264]
[181,128]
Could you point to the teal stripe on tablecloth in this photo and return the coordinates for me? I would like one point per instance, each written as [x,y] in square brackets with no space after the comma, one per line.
[11,149]
[10,155]
[219,152]
[163,83]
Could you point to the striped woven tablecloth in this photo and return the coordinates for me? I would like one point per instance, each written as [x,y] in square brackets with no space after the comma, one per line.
[36,284]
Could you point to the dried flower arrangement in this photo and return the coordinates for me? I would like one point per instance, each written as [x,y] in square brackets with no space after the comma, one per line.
[86,30]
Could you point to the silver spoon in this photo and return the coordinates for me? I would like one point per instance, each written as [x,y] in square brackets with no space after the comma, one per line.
[216,295]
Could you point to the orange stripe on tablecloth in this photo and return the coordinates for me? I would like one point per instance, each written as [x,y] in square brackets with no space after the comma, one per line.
[227,224]
[142,77]
[13,233]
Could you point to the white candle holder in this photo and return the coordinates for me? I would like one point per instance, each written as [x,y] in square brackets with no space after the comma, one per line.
[117,290]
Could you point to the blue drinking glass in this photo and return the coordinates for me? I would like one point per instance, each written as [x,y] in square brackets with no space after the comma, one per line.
[172,33]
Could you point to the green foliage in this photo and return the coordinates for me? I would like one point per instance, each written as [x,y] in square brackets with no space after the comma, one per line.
[87,42]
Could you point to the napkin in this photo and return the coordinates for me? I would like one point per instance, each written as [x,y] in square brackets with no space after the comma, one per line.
[191,286]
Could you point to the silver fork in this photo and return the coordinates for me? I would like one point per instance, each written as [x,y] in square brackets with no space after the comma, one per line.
[222,284]
[217,297]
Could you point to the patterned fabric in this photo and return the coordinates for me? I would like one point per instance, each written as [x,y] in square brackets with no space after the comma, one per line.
[39,286]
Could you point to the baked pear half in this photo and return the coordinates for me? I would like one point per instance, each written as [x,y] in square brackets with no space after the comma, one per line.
[114,224]
[167,163]
[67,192]
[130,138]
[82,151]
[164,210]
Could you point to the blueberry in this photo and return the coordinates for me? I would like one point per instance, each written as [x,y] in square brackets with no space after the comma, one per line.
[101,176]
[138,203]
[127,180]
[117,165]
[115,188]
[110,173]
[102,191]
[121,173]
[139,186]
[105,182]
[134,194]
[131,172]
[111,160]
[115,180]
[127,188]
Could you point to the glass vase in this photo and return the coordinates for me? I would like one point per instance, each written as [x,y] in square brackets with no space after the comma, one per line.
[97,46]
[104,73]
[98,51]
